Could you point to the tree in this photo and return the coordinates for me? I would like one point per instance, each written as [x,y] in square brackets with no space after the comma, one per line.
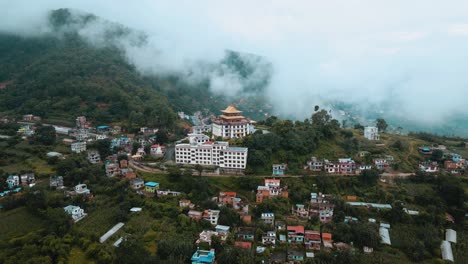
[103,147]
[44,135]
[161,136]
[437,155]
[381,124]
[199,169]
[369,177]
[323,122]
[131,250]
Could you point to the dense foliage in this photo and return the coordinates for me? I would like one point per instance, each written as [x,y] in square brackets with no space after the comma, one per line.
[60,78]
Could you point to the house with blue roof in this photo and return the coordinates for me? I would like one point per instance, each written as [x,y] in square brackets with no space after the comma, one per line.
[151,187]
[203,256]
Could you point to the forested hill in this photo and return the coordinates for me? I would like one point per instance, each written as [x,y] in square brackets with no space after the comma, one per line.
[61,74]
[59,78]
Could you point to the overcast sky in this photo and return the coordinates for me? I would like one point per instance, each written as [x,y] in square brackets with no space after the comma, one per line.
[414,52]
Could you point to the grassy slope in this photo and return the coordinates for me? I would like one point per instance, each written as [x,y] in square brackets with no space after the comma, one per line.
[17,222]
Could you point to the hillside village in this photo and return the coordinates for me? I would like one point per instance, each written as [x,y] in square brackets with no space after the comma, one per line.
[260,217]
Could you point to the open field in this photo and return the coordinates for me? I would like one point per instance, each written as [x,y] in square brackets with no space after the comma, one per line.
[18,222]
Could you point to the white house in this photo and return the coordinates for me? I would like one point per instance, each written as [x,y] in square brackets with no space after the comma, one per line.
[429,167]
[371,133]
[212,216]
[269,238]
[78,147]
[82,189]
[157,150]
[76,212]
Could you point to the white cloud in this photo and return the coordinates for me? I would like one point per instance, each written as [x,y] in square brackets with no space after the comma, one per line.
[357,51]
[458,29]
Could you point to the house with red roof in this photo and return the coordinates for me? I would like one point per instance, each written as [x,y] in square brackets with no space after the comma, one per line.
[157,150]
[295,234]
[327,240]
[242,244]
[312,240]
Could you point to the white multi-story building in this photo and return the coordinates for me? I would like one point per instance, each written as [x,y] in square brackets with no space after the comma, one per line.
[371,133]
[212,216]
[217,153]
[78,147]
[231,124]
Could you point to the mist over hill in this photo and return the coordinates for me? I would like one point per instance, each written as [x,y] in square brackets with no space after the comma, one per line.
[195,79]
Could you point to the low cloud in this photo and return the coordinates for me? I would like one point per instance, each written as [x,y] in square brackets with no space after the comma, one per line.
[394,55]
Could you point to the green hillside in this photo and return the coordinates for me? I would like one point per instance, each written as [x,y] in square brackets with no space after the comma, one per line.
[59,79]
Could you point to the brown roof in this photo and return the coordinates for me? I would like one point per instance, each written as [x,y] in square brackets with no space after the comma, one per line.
[231,110]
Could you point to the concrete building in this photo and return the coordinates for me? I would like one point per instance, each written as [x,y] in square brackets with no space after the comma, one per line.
[212,216]
[78,147]
[75,212]
[231,124]
[279,169]
[211,153]
[371,133]
[268,218]
[94,157]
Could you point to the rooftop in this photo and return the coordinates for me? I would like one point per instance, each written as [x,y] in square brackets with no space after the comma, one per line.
[231,110]
[297,229]
[204,256]
[151,184]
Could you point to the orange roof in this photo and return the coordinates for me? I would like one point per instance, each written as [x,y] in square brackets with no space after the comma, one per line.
[297,229]
[351,197]
[243,244]
[327,236]
[230,194]
[231,110]
[272,180]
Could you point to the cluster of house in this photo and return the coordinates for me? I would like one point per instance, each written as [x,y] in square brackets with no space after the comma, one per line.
[320,206]
[344,166]
[15,182]
[272,188]
[26,179]
[452,162]
[150,188]
[245,237]
[26,130]
[115,167]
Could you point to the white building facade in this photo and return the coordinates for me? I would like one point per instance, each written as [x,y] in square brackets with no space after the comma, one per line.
[211,153]
[371,133]
[78,147]
[231,124]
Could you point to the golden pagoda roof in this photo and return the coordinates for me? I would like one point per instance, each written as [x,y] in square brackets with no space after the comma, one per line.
[231,110]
